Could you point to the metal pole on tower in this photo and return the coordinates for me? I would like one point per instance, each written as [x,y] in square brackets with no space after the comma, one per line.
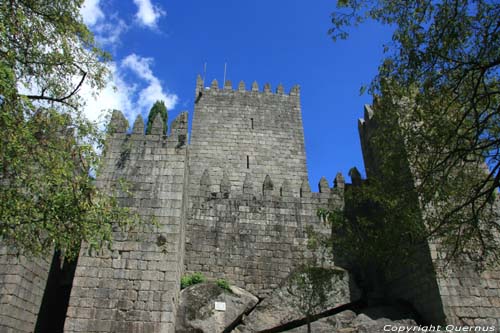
[224,81]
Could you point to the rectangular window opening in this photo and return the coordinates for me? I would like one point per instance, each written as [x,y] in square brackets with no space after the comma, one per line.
[248,162]
[251,121]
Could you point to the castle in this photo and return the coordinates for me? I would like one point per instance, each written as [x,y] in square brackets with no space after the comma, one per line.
[233,203]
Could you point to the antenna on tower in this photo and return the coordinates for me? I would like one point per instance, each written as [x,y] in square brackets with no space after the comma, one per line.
[204,71]
[224,81]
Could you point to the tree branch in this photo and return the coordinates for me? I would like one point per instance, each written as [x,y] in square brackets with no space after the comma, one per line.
[59,99]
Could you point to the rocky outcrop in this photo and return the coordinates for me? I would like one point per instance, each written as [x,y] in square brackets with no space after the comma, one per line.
[284,304]
[208,308]
[199,313]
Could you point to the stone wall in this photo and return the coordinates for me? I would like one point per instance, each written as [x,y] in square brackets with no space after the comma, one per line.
[470,296]
[254,239]
[414,281]
[455,292]
[22,283]
[442,292]
[134,286]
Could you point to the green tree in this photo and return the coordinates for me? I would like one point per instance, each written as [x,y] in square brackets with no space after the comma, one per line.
[157,108]
[48,199]
[439,84]
[314,285]
[311,288]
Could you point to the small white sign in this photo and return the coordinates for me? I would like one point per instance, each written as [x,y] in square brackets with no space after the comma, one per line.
[220,306]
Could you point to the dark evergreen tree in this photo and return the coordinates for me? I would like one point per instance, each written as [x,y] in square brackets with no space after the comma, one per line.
[158,108]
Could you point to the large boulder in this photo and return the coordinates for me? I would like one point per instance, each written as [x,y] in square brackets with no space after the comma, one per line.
[286,303]
[197,311]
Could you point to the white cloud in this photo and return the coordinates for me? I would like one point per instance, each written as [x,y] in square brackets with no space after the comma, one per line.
[154,91]
[140,66]
[108,33]
[147,13]
[117,95]
[91,12]
[132,97]
[106,28]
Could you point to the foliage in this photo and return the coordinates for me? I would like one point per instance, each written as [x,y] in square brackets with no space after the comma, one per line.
[192,279]
[157,108]
[311,287]
[222,283]
[48,150]
[313,283]
[376,231]
[440,85]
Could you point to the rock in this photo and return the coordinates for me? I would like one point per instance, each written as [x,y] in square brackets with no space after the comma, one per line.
[197,313]
[361,319]
[348,322]
[281,306]
[396,311]
[365,324]
[335,324]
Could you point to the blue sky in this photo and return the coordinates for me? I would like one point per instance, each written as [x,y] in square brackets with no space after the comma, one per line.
[159,47]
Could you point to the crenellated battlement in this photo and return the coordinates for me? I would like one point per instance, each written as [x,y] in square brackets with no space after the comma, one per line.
[227,88]
[364,124]
[223,188]
[119,129]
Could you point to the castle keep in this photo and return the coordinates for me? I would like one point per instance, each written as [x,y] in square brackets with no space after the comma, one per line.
[232,202]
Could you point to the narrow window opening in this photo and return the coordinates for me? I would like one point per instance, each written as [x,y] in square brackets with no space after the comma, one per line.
[251,122]
[248,162]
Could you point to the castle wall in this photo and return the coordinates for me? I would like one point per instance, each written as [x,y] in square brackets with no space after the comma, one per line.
[134,286]
[448,292]
[22,282]
[230,126]
[235,204]
[254,240]
[470,296]
[414,280]
[442,291]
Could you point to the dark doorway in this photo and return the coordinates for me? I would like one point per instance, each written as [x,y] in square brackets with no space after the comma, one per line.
[56,296]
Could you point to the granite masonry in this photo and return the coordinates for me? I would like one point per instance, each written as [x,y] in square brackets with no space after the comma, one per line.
[22,283]
[443,293]
[232,202]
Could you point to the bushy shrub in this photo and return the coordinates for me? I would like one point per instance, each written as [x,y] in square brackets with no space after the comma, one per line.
[191,279]
[223,284]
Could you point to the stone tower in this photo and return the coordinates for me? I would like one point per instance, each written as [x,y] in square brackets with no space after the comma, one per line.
[250,202]
[254,133]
